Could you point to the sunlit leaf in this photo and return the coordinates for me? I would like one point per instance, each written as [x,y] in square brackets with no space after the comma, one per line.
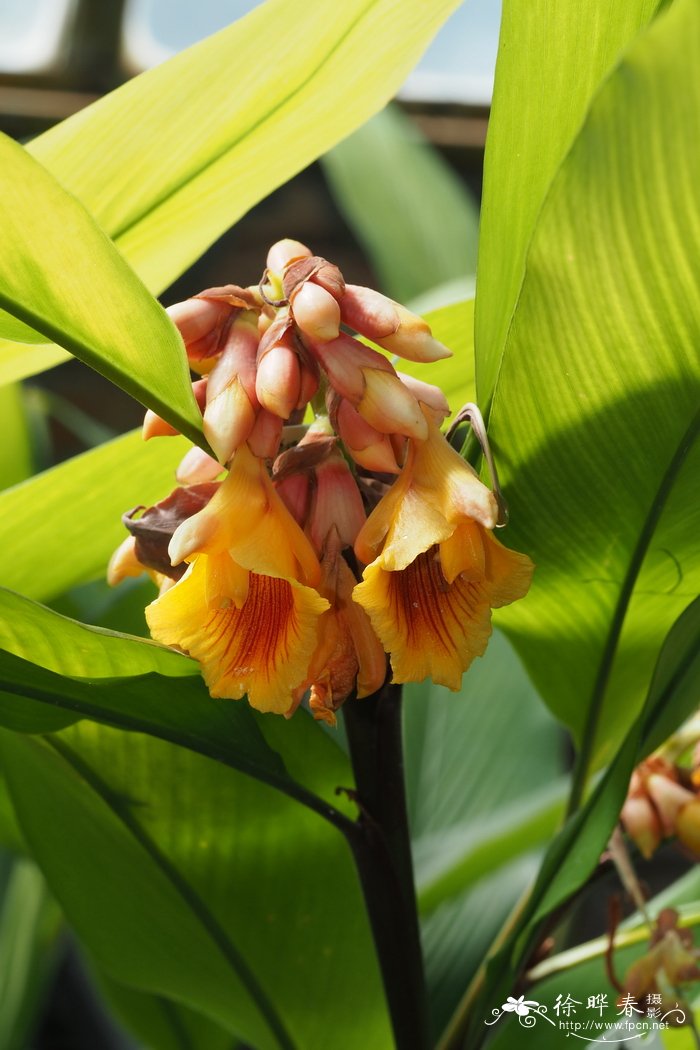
[62,525]
[60,274]
[173,158]
[595,417]
[551,60]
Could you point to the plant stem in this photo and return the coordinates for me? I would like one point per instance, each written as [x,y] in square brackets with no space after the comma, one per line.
[595,949]
[382,851]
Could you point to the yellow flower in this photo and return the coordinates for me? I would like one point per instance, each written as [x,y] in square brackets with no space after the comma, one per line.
[435,569]
[246,608]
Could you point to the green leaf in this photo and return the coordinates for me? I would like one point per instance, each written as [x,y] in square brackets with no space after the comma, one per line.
[70,648]
[416,222]
[575,852]
[81,503]
[54,671]
[16,460]
[595,415]
[89,301]
[201,885]
[29,925]
[551,61]
[457,778]
[170,160]
[162,1023]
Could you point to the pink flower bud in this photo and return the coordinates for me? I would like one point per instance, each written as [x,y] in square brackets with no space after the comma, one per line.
[124,562]
[196,467]
[154,426]
[336,504]
[284,252]
[390,407]
[367,446]
[316,312]
[264,440]
[205,319]
[278,381]
[343,360]
[428,395]
[229,419]
[390,325]
[237,359]
[642,824]
[669,798]
[295,492]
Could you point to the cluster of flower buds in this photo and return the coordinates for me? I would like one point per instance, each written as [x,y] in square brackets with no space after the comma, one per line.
[260,573]
[671,962]
[663,801]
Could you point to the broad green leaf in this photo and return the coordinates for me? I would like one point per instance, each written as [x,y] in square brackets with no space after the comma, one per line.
[61,526]
[70,648]
[574,853]
[54,671]
[452,861]
[201,885]
[551,60]
[16,450]
[457,778]
[162,1023]
[29,926]
[407,207]
[60,275]
[170,160]
[595,416]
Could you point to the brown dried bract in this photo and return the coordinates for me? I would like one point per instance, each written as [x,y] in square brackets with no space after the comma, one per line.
[315,269]
[154,528]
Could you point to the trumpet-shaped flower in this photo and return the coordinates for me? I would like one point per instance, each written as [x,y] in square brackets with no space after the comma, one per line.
[434,569]
[246,608]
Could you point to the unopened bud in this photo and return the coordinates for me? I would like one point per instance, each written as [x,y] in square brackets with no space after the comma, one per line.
[391,325]
[669,798]
[196,468]
[228,420]
[284,252]
[205,319]
[264,439]
[155,426]
[642,824]
[336,504]
[295,491]
[124,562]
[390,407]
[369,448]
[428,395]
[316,312]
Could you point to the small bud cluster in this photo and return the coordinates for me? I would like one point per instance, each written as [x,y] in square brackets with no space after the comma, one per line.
[670,963]
[663,801]
[265,353]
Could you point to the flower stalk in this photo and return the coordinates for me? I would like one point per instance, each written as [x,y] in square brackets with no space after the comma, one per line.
[382,854]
